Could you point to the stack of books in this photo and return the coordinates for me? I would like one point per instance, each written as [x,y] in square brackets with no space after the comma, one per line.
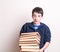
[29,42]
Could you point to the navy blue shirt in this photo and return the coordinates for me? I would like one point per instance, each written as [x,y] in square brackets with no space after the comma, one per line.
[43,30]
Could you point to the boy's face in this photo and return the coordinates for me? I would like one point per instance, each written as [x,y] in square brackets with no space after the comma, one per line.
[36,17]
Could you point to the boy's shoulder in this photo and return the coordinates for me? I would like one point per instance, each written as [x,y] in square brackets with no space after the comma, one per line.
[44,25]
[27,23]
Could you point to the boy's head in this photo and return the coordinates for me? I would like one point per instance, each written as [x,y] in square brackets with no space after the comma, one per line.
[37,10]
[37,14]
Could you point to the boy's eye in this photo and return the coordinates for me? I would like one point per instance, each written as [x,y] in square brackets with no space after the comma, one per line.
[39,15]
[34,15]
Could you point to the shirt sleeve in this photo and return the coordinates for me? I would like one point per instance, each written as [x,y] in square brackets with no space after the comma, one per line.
[23,29]
[47,35]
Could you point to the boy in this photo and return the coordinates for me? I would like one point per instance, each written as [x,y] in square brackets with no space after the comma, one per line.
[38,26]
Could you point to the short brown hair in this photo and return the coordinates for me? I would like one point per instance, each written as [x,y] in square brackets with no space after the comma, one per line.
[38,10]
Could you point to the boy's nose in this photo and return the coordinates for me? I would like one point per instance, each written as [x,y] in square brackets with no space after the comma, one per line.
[36,18]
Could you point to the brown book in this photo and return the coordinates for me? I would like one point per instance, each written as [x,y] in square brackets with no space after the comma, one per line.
[30,49]
[27,42]
[29,37]
[30,33]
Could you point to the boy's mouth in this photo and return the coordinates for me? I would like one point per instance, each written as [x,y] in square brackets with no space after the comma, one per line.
[36,21]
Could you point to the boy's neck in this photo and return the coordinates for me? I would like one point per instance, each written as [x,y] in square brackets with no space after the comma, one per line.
[37,24]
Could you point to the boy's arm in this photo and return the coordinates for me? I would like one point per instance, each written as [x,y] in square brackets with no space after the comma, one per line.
[47,39]
[19,49]
[23,29]
[45,46]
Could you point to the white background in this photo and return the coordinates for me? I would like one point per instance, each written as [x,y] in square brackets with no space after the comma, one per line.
[14,13]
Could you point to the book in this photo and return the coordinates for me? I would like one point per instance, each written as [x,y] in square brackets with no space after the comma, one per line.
[30,49]
[34,33]
[29,37]
[30,34]
[29,42]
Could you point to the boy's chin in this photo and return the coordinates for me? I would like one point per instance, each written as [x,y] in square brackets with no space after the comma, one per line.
[36,22]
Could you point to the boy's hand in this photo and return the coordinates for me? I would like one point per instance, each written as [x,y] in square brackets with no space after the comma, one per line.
[41,50]
[19,49]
